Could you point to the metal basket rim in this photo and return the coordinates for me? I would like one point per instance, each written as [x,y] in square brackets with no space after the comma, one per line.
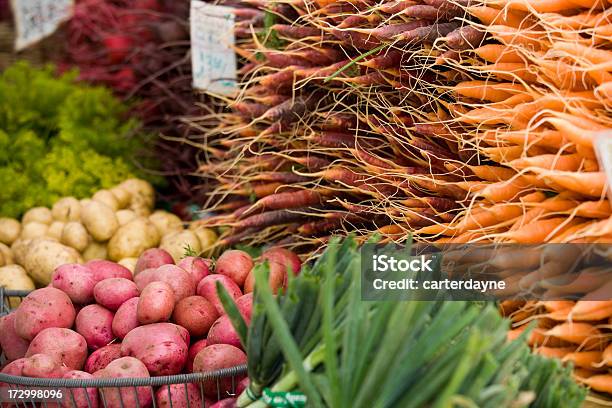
[123,382]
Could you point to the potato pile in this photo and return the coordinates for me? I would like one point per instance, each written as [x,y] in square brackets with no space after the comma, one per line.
[101,320]
[116,224]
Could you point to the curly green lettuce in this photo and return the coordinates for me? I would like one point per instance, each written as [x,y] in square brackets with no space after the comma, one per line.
[61,138]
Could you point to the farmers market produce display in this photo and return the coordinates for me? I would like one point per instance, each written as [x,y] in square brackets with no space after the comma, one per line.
[318,338]
[453,121]
[118,223]
[59,138]
[101,320]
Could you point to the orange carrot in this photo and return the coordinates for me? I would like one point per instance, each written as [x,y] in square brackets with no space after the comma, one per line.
[584,359]
[591,310]
[509,71]
[573,132]
[606,356]
[567,162]
[536,232]
[492,173]
[556,305]
[529,39]
[593,209]
[590,184]
[583,334]
[488,90]
[544,138]
[538,6]
[493,16]
[499,53]
[599,382]
[554,352]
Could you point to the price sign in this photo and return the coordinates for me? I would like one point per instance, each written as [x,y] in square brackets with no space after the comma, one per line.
[212,55]
[603,148]
[36,19]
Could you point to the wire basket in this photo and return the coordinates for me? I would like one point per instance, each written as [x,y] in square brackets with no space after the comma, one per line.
[112,392]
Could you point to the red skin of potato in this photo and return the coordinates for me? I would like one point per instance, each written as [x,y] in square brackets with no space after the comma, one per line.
[43,366]
[196,314]
[152,258]
[41,309]
[80,395]
[125,367]
[103,269]
[208,288]
[197,267]
[193,351]
[242,385]
[155,303]
[65,345]
[94,322]
[222,332]
[178,396]
[162,347]
[245,306]
[225,403]
[234,264]
[77,281]
[280,260]
[100,358]
[179,280]
[113,292]
[215,357]
[125,318]
[13,346]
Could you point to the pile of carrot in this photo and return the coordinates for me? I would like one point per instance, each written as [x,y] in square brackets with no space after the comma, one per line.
[573,331]
[455,121]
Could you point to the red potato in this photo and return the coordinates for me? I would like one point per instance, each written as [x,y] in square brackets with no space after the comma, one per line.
[197,267]
[103,269]
[215,357]
[125,367]
[162,347]
[276,279]
[196,314]
[245,306]
[178,396]
[208,288]
[102,357]
[193,351]
[94,322]
[234,264]
[43,366]
[65,345]
[77,281]
[280,261]
[152,258]
[222,332]
[13,346]
[113,292]
[80,397]
[41,309]
[179,280]
[225,403]
[155,303]
[14,367]
[125,319]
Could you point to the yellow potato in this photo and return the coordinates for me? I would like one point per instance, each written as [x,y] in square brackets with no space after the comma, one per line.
[95,250]
[99,220]
[125,216]
[108,198]
[166,222]
[14,277]
[20,249]
[207,237]
[122,196]
[7,254]
[141,192]
[67,209]
[75,235]
[34,229]
[37,214]
[2,260]
[177,243]
[55,230]
[10,229]
[132,239]
[44,255]
[129,263]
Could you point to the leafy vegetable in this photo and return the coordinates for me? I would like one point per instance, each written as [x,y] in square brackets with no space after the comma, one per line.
[59,138]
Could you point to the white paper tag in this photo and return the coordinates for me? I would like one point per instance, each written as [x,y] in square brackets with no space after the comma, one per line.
[36,19]
[603,149]
[212,56]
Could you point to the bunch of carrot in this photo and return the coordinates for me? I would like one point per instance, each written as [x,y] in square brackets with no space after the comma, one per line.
[576,332]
